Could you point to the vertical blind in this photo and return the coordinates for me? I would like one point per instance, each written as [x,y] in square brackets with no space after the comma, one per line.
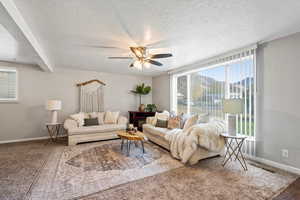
[8,84]
[203,89]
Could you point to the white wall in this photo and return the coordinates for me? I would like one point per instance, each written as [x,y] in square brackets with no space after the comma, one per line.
[278,100]
[278,110]
[161,91]
[26,119]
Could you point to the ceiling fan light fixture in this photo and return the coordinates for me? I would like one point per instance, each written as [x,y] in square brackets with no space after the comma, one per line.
[140,67]
[142,58]
[137,64]
[138,53]
[147,65]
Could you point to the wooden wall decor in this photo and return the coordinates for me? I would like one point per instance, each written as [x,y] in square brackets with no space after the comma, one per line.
[90,81]
[91,96]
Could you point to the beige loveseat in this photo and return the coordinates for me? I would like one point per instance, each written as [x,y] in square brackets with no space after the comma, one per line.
[157,135]
[77,134]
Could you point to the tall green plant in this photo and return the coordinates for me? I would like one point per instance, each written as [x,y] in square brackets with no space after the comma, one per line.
[141,90]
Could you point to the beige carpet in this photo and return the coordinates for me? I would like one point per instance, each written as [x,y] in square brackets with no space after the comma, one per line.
[99,170]
[20,163]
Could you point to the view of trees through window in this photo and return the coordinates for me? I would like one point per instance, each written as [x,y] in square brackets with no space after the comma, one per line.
[182,97]
[203,91]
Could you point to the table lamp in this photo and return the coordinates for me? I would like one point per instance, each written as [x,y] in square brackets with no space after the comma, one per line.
[232,107]
[54,106]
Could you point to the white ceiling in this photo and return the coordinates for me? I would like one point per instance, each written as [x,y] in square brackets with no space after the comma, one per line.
[191,30]
[13,45]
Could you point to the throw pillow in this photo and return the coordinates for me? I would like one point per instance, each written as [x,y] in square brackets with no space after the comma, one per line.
[100,117]
[152,120]
[174,122]
[86,115]
[190,122]
[161,123]
[184,118]
[162,116]
[79,118]
[173,113]
[111,117]
[91,122]
[93,115]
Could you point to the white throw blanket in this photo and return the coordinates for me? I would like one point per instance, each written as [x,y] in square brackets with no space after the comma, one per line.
[183,144]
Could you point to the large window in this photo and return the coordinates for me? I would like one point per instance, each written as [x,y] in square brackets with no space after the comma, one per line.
[203,90]
[8,84]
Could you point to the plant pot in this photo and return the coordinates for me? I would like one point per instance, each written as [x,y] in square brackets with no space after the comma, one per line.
[142,108]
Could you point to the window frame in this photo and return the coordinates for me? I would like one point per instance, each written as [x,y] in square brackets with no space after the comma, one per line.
[174,77]
[16,99]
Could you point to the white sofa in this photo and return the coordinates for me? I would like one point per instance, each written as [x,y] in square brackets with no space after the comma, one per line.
[157,136]
[78,134]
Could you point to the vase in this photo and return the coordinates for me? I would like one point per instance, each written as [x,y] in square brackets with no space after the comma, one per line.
[142,108]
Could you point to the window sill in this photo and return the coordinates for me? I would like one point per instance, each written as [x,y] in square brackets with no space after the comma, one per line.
[9,101]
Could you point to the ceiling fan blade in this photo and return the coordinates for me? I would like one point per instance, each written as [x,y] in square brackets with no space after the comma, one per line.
[153,62]
[119,57]
[163,55]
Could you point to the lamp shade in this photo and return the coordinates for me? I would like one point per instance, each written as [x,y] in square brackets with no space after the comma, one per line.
[233,106]
[53,105]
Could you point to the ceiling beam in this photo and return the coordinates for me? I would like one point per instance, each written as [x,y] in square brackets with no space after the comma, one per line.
[15,14]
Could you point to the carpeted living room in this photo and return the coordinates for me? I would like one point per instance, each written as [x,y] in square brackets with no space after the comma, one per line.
[149,100]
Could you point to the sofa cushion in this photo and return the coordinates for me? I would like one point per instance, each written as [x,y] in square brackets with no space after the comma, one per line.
[155,131]
[79,118]
[111,117]
[96,129]
[100,116]
[70,124]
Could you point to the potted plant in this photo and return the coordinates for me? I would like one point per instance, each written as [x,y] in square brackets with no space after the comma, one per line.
[141,90]
[151,108]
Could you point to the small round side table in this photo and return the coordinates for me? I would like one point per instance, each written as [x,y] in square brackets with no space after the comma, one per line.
[234,146]
[54,130]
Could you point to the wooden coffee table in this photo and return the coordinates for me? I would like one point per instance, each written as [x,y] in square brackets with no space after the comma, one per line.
[136,137]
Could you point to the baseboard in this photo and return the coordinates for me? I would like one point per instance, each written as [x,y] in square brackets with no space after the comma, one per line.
[27,139]
[274,164]
[24,140]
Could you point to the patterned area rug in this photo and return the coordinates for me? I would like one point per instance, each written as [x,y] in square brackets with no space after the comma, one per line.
[92,171]
[88,168]
[207,180]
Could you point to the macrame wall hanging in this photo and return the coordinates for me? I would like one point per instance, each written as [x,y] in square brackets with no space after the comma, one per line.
[91,95]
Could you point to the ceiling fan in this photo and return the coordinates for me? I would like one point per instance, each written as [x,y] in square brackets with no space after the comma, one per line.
[143,59]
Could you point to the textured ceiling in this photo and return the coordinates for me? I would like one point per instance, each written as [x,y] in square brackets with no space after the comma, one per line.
[13,45]
[191,30]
